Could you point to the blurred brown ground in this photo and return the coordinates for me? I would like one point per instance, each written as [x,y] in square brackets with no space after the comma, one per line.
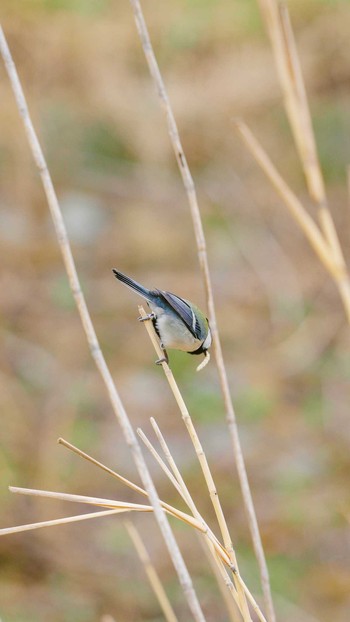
[286,342]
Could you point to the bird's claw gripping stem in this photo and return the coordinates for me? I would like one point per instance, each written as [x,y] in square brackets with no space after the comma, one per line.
[165,358]
[145,318]
[162,360]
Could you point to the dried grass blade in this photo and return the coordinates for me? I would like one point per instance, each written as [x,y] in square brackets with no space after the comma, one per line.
[169,508]
[204,264]
[291,78]
[184,493]
[295,207]
[64,496]
[119,410]
[303,131]
[110,503]
[57,521]
[161,462]
[82,454]
[152,575]
[229,550]
[337,269]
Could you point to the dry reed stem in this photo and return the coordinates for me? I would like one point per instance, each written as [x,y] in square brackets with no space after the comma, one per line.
[224,582]
[296,103]
[209,550]
[290,76]
[82,454]
[241,602]
[118,407]
[304,135]
[183,491]
[294,205]
[202,461]
[58,521]
[161,462]
[291,79]
[151,573]
[121,506]
[204,265]
[193,435]
[321,247]
[171,509]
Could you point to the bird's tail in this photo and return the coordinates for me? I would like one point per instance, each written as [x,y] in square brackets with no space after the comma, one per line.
[143,291]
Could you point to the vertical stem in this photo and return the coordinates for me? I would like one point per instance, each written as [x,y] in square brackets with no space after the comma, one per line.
[118,407]
[204,265]
[152,575]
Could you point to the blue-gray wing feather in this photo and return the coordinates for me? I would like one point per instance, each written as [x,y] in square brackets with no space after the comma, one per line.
[183,309]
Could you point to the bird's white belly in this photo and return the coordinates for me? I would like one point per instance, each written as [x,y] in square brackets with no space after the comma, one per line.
[173,332]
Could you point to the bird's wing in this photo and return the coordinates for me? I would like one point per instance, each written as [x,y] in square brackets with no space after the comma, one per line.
[183,309]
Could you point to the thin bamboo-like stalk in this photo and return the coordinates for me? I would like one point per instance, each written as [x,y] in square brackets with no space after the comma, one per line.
[172,510]
[217,551]
[338,271]
[118,407]
[296,103]
[290,76]
[241,598]
[224,582]
[161,463]
[151,573]
[182,489]
[294,205]
[57,521]
[118,507]
[193,435]
[121,506]
[204,265]
[169,508]
[181,482]
[82,454]
[201,458]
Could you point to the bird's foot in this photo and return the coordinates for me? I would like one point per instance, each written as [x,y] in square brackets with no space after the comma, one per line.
[162,360]
[145,318]
[165,358]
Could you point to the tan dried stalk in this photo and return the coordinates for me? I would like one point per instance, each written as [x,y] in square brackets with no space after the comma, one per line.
[118,506]
[219,553]
[240,596]
[151,573]
[296,208]
[184,493]
[193,435]
[319,243]
[169,508]
[204,265]
[298,112]
[214,559]
[57,521]
[201,458]
[118,407]
[222,577]
[122,507]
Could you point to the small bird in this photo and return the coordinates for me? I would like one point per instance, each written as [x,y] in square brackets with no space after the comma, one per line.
[179,324]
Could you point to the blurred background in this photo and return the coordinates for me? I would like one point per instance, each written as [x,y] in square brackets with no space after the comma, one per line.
[284,334]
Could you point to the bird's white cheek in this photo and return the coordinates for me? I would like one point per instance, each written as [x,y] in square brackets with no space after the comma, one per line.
[207,341]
